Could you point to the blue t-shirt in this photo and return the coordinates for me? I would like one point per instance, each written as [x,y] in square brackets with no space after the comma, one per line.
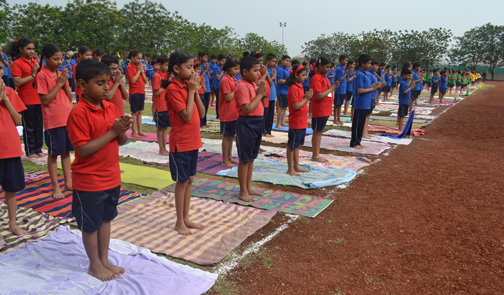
[396,78]
[443,83]
[362,101]
[6,71]
[349,85]
[388,78]
[416,76]
[306,82]
[340,72]
[373,79]
[282,74]
[434,78]
[217,71]
[404,98]
[331,72]
[238,77]
[207,78]
[273,93]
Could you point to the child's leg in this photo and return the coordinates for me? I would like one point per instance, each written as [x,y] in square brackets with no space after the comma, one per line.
[338,114]
[251,191]
[96,267]
[411,105]
[225,151]
[365,133]
[67,171]
[297,168]
[133,131]
[180,191]
[345,108]
[243,169]
[52,165]
[290,162]
[230,150]
[103,247]
[139,123]
[187,204]
[335,116]
[280,117]
[316,140]
[400,122]
[161,137]
[10,199]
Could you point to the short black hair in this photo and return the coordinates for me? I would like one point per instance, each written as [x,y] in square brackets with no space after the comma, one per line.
[270,56]
[50,49]
[405,71]
[221,57]
[416,64]
[231,62]
[109,59]
[247,63]
[162,60]
[202,53]
[90,68]
[213,56]
[285,57]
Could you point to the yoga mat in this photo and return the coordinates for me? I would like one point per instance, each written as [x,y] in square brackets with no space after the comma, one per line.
[286,129]
[445,102]
[143,151]
[149,222]
[37,195]
[210,163]
[147,120]
[145,176]
[278,137]
[389,118]
[215,146]
[342,144]
[213,127]
[274,172]
[348,134]
[393,130]
[424,117]
[343,119]
[38,225]
[58,264]
[276,200]
[406,130]
[338,162]
[148,137]
[212,118]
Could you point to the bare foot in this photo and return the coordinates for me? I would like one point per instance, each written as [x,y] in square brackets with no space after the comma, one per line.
[101,272]
[41,154]
[299,169]
[15,229]
[340,123]
[117,270]
[205,126]
[279,127]
[164,153]
[182,229]
[227,164]
[68,185]
[245,198]
[358,147]
[33,156]
[141,134]
[318,159]
[292,172]
[367,136]
[234,161]
[268,135]
[134,134]
[261,150]
[57,194]
[252,191]
[190,224]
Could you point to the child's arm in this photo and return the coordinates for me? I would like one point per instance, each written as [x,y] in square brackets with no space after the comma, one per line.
[62,80]
[412,85]
[117,83]
[118,130]
[305,99]
[193,87]
[137,75]
[124,93]
[367,90]
[19,82]
[260,93]
[144,77]
[197,99]
[343,77]
[16,117]
[329,90]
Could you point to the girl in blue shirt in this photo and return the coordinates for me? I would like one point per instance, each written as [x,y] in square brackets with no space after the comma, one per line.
[349,87]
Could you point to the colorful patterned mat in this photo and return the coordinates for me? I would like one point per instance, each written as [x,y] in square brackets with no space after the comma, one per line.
[149,222]
[38,225]
[393,130]
[215,146]
[274,172]
[343,144]
[58,264]
[152,137]
[286,202]
[37,195]
[348,134]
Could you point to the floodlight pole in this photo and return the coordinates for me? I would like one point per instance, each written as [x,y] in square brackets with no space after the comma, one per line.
[283,25]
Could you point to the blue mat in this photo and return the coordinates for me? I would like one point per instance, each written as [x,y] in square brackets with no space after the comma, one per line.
[286,129]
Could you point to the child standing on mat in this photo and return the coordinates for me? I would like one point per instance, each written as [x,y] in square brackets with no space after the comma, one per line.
[435,84]
[321,106]
[298,117]
[117,93]
[11,168]
[405,88]
[249,127]
[84,54]
[341,75]
[56,98]
[227,109]
[161,117]
[186,110]
[96,130]
[282,89]
[135,75]
[443,85]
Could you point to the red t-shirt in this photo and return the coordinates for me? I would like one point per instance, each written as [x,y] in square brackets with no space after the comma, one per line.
[99,171]
[297,119]
[322,107]
[202,89]
[245,92]
[184,136]
[268,90]
[117,99]
[158,101]
[10,143]
[55,114]
[139,86]
[78,90]
[227,109]
[22,67]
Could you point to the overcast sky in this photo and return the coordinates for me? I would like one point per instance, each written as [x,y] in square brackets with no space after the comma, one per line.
[306,20]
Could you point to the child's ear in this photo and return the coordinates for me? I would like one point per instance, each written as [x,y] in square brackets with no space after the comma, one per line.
[82,84]
[176,69]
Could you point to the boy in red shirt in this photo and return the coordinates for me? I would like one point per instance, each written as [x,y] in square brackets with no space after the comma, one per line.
[227,109]
[117,91]
[135,75]
[96,130]
[11,168]
[250,101]
[160,109]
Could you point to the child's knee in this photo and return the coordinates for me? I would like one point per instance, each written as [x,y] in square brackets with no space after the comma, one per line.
[190,180]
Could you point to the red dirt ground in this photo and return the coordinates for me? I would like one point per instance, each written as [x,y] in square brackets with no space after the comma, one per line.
[427,219]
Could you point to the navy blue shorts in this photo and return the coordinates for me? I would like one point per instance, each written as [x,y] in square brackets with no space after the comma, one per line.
[415,94]
[90,209]
[318,124]
[434,89]
[429,84]
[162,119]
[339,99]
[403,110]
[450,85]
[296,138]
[394,85]
[373,104]
[248,137]
[458,84]
[228,128]
[183,165]
[137,102]
[442,91]
[386,89]
[349,95]
[12,174]
[57,141]
[282,101]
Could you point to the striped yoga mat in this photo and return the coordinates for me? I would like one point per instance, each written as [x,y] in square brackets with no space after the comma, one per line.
[38,195]
[38,225]
[149,222]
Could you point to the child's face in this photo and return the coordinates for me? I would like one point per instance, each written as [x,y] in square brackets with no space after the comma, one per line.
[197,68]
[234,71]
[96,89]
[221,62]
[271,63]
[261,60]
[54,61]
[113,70]
[28,51]
[286,62]
[374,67]
[253,74]
[163,67]
[324,69]
[185,70]
[366,66]
[1,69]
[301,76]
[86,55]
[204,58]
[136,60]
[351,67]
[344,62]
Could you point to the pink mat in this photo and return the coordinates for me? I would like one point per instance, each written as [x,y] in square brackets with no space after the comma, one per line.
[148,137]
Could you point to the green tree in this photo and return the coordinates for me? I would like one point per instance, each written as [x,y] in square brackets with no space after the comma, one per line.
[469,49]
[331,46]
[253,41]
[375,43]
[493,40]
[4,21]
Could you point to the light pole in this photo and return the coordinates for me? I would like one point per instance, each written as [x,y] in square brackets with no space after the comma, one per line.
[283,25]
